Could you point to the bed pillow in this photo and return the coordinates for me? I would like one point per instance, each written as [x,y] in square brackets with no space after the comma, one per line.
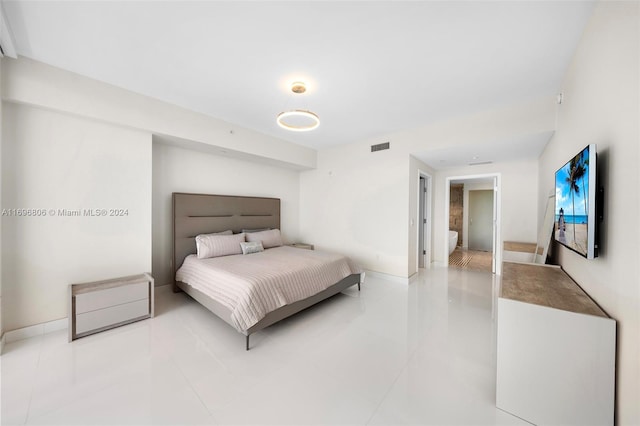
[271,238]
[212,245]
[247,231]
[252,247]
[227,232]
[202,236]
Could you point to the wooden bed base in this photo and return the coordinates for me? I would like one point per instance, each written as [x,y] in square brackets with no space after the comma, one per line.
[195,214]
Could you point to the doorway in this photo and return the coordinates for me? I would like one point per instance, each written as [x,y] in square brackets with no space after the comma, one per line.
[472,210]
[424,221]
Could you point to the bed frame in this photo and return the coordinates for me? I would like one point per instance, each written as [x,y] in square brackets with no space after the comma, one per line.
[195,214]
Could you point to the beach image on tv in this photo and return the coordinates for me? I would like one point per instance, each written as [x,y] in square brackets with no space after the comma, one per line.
[572,203]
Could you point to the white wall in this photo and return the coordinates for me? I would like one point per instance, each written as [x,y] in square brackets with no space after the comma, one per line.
[182,170]
[355,202]
[601,105]
[55,161]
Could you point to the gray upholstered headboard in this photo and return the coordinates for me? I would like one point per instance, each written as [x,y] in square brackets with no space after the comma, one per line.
[195,214]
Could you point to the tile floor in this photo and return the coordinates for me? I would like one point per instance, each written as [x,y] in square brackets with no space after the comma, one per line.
[471,259]
[391,354]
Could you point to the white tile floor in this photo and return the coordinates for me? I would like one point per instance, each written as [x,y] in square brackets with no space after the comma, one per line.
[391,354]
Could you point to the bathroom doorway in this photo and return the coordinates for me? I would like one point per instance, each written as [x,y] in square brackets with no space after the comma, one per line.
[473,232]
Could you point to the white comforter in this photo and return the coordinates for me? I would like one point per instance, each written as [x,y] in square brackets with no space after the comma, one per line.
[253,285]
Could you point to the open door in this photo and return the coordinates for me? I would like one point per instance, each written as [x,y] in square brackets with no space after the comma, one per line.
[494,264]
[421,249]
[481,219]
[424,225]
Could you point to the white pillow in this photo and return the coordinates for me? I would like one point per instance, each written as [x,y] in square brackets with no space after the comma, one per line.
[212,245]
[201,236]
[252,247]
[271,238]
[247,231]
[227,232]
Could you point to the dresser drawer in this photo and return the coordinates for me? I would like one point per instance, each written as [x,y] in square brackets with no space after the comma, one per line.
[99,305]
[91,321]
[100,299]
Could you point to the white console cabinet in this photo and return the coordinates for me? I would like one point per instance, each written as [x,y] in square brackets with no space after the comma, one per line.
[101,305]
[556,349]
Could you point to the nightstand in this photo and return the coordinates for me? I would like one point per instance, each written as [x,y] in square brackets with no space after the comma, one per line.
[101,305]
[302,246]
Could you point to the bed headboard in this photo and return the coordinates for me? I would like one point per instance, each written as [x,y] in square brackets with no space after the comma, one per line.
[195,214]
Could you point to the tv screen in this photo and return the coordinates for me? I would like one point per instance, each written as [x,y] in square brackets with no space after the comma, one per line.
[575,221]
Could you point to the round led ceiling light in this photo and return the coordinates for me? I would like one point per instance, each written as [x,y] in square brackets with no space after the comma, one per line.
[298,120]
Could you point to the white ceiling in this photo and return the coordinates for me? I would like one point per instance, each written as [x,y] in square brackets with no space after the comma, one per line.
[372,68]
[495,151]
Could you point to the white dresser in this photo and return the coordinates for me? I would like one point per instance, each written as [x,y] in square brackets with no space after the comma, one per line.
[101,305]
[556,349]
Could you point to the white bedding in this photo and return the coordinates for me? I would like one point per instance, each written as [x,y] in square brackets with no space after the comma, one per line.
[253,285]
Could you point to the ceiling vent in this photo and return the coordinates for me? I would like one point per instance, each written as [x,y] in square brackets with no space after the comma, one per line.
[481,163]
[380,147]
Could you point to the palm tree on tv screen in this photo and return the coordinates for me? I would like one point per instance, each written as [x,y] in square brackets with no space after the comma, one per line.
[576,172]
[584,165]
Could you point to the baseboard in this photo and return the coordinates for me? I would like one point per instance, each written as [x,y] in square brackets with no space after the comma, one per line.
[165,288]
[389,277]
[35,330]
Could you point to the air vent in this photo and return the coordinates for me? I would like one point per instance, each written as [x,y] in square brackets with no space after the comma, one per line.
[380,147]
[481,163]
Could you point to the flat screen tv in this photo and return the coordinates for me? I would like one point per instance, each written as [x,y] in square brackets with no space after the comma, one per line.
[576,199]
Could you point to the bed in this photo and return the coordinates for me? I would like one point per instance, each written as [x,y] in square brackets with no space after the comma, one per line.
[195,214]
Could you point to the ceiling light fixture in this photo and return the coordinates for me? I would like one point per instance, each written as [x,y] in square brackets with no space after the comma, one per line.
[298,87]
[298,120]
